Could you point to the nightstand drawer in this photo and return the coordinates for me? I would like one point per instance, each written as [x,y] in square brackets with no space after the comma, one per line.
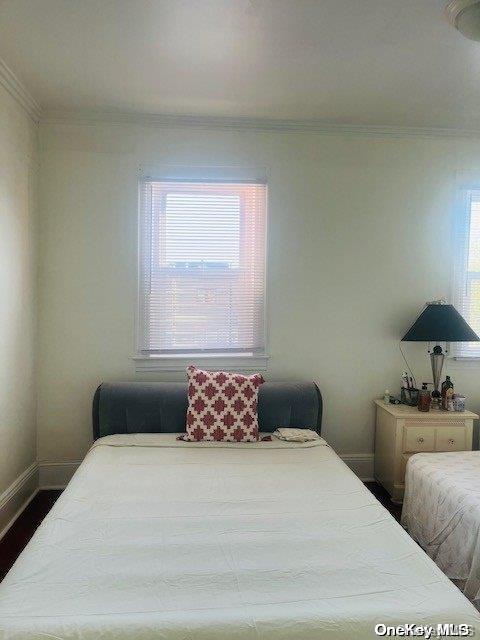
[418,438]
[451,439]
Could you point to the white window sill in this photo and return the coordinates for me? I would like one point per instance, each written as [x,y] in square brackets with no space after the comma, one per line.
[243,362]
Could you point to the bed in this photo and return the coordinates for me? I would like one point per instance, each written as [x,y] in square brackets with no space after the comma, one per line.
[158,538]
[441,511]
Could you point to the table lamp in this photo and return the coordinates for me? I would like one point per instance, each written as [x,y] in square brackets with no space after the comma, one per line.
[439,322]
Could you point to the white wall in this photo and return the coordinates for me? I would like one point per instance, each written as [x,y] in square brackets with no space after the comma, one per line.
[18,140]
[360,232]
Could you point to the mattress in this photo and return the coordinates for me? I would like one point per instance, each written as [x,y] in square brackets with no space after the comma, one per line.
[441,510]
[155,538]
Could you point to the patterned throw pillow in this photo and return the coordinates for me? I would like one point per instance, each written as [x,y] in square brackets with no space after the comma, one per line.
[222,406]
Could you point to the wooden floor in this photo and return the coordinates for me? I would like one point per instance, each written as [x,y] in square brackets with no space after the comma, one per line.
[17,537]
[383,497]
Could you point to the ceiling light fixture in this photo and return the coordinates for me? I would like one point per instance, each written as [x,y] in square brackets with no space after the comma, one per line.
[464,15]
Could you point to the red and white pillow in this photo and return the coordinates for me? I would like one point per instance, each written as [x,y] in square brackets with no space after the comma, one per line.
[222,406]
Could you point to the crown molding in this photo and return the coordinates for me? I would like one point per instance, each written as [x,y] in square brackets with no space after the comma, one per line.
[91,117]
[17,90]
[454,8]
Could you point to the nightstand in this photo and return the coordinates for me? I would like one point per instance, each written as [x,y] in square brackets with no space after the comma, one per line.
[402,431]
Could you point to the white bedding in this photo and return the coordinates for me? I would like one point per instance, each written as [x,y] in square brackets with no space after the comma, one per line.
[176,541]
[441,510]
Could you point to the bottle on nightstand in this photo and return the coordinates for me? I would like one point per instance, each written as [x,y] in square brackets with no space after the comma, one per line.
[447,393]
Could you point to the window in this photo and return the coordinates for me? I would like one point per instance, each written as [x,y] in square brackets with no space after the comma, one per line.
[467,270]
[202,268]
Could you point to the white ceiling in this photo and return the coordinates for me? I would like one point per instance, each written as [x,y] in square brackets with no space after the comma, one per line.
[371,62]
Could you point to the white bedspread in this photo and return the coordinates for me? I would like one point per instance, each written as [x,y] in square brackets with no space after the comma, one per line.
[441,510]
[176,541]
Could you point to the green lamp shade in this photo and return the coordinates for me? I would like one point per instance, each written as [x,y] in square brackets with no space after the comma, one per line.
[440,323]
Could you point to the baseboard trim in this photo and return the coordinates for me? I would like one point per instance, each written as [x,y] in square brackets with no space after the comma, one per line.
[361,464]
[56,475]
[17,496]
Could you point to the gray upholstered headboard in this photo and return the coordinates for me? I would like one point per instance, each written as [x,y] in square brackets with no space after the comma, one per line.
[160,407]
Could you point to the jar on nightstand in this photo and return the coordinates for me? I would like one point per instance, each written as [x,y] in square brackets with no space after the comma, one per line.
[458,402]
[424,398]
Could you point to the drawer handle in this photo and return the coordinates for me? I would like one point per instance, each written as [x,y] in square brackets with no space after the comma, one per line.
[420,440]
[451,441]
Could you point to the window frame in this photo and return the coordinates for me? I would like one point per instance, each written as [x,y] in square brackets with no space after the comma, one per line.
[178,361]
[461,275]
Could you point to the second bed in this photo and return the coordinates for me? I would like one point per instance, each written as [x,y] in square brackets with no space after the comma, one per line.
[441,511]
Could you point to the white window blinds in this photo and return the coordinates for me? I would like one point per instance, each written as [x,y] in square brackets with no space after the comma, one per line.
[467,270]
[202,267]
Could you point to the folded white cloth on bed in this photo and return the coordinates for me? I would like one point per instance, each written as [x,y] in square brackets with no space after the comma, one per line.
[295,435]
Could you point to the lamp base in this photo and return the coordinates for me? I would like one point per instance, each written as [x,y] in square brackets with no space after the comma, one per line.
[437,359]
[436,399]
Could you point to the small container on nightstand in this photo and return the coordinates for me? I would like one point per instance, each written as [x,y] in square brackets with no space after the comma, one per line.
[401,431]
